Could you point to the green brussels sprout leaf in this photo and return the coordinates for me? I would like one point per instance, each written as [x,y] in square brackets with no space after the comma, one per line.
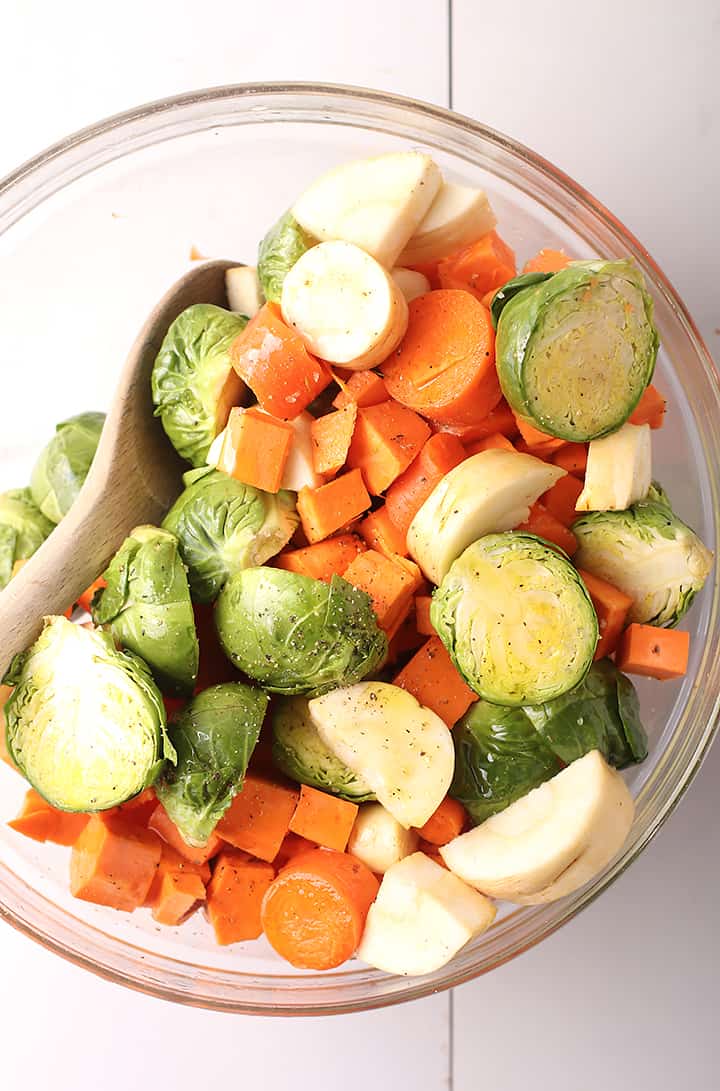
[194,384]
[300,753]
[499,757]
[285,242]
[214,736]
[296,635]
[601,713]
[503,753]
[508,291]
[85,722]
[146,605]
[60,471]
[224,526]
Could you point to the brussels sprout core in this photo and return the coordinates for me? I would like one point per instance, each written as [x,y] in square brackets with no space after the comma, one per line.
[516,619]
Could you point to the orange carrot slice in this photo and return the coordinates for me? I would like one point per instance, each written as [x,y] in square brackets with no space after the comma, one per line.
[259,817]
[482,267]
[434,681]
[323,560]
[114,863]
[445,365]
[332,506]
[323,818]
[314,912]
[406,496]
[447,822]
[611,606]
[653,652]
[272,360]
[235,896]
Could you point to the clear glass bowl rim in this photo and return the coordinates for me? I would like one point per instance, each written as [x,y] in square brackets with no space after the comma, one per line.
[86,150]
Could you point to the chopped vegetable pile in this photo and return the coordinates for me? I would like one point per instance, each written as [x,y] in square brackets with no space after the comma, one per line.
[370,674]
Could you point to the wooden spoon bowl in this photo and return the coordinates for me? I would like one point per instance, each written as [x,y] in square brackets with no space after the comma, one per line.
[134,479]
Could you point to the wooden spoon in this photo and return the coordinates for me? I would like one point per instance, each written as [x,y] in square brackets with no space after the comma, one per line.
[134,479]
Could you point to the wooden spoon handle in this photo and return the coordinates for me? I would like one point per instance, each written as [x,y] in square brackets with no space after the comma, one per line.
[74,555]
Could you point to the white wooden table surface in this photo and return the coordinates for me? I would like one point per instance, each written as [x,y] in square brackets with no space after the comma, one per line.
[624,96]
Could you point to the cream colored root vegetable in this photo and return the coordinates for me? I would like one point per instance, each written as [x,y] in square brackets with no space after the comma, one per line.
[421,918]
[345,306]
[243,290]
[458,216]
[487,493]
[375,203]
[379,840]
[619,470]
[411,283]
[550,842]
[403,750]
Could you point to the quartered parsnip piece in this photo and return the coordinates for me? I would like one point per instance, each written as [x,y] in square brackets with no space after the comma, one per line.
[345,306]
[551,841]
[378,839]
[299,470]
[243,290]
[487,493]
[619,470]
[421,917]
[403,750]
[458,216]
[375,203]
[411,283]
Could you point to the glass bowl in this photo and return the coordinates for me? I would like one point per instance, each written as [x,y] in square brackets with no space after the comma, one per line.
[91,233]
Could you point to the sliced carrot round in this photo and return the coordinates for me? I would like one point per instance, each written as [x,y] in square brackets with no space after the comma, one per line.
[314,913]
[444,367]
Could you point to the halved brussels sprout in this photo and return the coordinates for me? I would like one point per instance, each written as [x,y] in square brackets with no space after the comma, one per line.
[503,753]
[575,352]
[214,736]
[516,619]
[60,471]
[649,554]
[295,635]
[146,605]
[285,242]
[23,529]
[194,385]
[85,722]
[223,526]
[300,753]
